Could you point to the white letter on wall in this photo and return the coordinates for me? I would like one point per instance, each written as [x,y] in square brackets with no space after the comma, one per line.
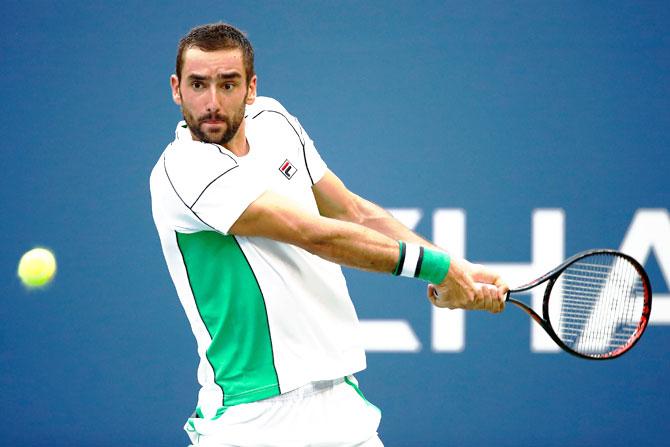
[650,229]
[393,335]
[548,242]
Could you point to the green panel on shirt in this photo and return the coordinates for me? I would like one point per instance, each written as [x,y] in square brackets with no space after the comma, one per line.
[232,308]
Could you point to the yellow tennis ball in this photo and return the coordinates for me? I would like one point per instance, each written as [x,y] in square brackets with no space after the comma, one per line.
[37,267]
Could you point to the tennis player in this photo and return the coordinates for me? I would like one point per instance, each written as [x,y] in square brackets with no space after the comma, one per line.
[254,228]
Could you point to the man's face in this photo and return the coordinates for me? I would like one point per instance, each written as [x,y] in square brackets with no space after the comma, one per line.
[213,93]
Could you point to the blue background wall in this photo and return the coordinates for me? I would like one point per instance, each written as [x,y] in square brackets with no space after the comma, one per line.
[498,108]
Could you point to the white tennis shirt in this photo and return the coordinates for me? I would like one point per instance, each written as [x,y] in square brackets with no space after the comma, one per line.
[268,317]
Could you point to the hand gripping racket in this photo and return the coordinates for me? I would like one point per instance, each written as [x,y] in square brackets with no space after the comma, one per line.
[596,304]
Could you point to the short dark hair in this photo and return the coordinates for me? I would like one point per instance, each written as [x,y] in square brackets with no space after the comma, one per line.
[217,36]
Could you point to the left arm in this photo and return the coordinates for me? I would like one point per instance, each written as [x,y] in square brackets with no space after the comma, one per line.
[337,202]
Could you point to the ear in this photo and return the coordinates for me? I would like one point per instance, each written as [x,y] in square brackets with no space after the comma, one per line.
[174,84]
[251,90]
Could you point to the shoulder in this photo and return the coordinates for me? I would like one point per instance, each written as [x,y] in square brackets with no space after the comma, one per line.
[266,104]
[267,111]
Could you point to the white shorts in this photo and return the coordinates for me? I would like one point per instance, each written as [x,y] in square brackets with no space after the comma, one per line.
[321,414]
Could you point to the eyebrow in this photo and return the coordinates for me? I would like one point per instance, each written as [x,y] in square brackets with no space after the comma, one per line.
[221,76]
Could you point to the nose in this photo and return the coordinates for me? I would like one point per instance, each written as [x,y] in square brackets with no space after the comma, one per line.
[213,102]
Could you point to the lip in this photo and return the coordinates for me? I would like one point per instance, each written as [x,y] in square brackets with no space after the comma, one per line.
[213,122]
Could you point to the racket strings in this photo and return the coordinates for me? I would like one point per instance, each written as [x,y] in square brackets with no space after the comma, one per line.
[599,300]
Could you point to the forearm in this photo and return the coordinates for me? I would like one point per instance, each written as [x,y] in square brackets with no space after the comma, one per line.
[377,218]
[459,284]
[274,217]
[351,244]
[455,279]
[336,201]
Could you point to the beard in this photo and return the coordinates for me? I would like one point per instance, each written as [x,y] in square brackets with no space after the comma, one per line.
[233,123]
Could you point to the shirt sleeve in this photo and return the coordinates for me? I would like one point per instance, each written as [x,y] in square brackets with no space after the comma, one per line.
[214,187]
[315,165]
[224,200]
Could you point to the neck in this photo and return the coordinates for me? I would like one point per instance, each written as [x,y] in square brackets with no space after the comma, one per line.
[238,145]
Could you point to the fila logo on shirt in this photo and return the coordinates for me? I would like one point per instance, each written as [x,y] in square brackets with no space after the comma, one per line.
[287,169]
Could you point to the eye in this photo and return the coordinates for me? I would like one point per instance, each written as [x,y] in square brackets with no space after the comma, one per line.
[228,86]
[197,85]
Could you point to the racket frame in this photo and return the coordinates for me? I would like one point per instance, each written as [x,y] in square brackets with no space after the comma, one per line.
[551,278]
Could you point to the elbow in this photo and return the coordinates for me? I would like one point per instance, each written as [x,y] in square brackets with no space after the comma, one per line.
[356,211]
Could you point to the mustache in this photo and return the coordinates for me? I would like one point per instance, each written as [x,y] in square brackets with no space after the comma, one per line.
[212,116]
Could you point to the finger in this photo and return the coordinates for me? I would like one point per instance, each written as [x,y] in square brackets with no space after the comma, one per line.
[495,303]
[479,300]
[488,292]
[503,288]
[491,297]
[499,304]
[482,274]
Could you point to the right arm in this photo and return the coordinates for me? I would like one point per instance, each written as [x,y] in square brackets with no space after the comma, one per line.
[275,217]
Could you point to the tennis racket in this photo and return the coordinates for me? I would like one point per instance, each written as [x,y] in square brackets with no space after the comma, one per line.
[596,304]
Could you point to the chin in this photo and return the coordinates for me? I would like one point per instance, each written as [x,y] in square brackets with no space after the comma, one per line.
[213,137]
